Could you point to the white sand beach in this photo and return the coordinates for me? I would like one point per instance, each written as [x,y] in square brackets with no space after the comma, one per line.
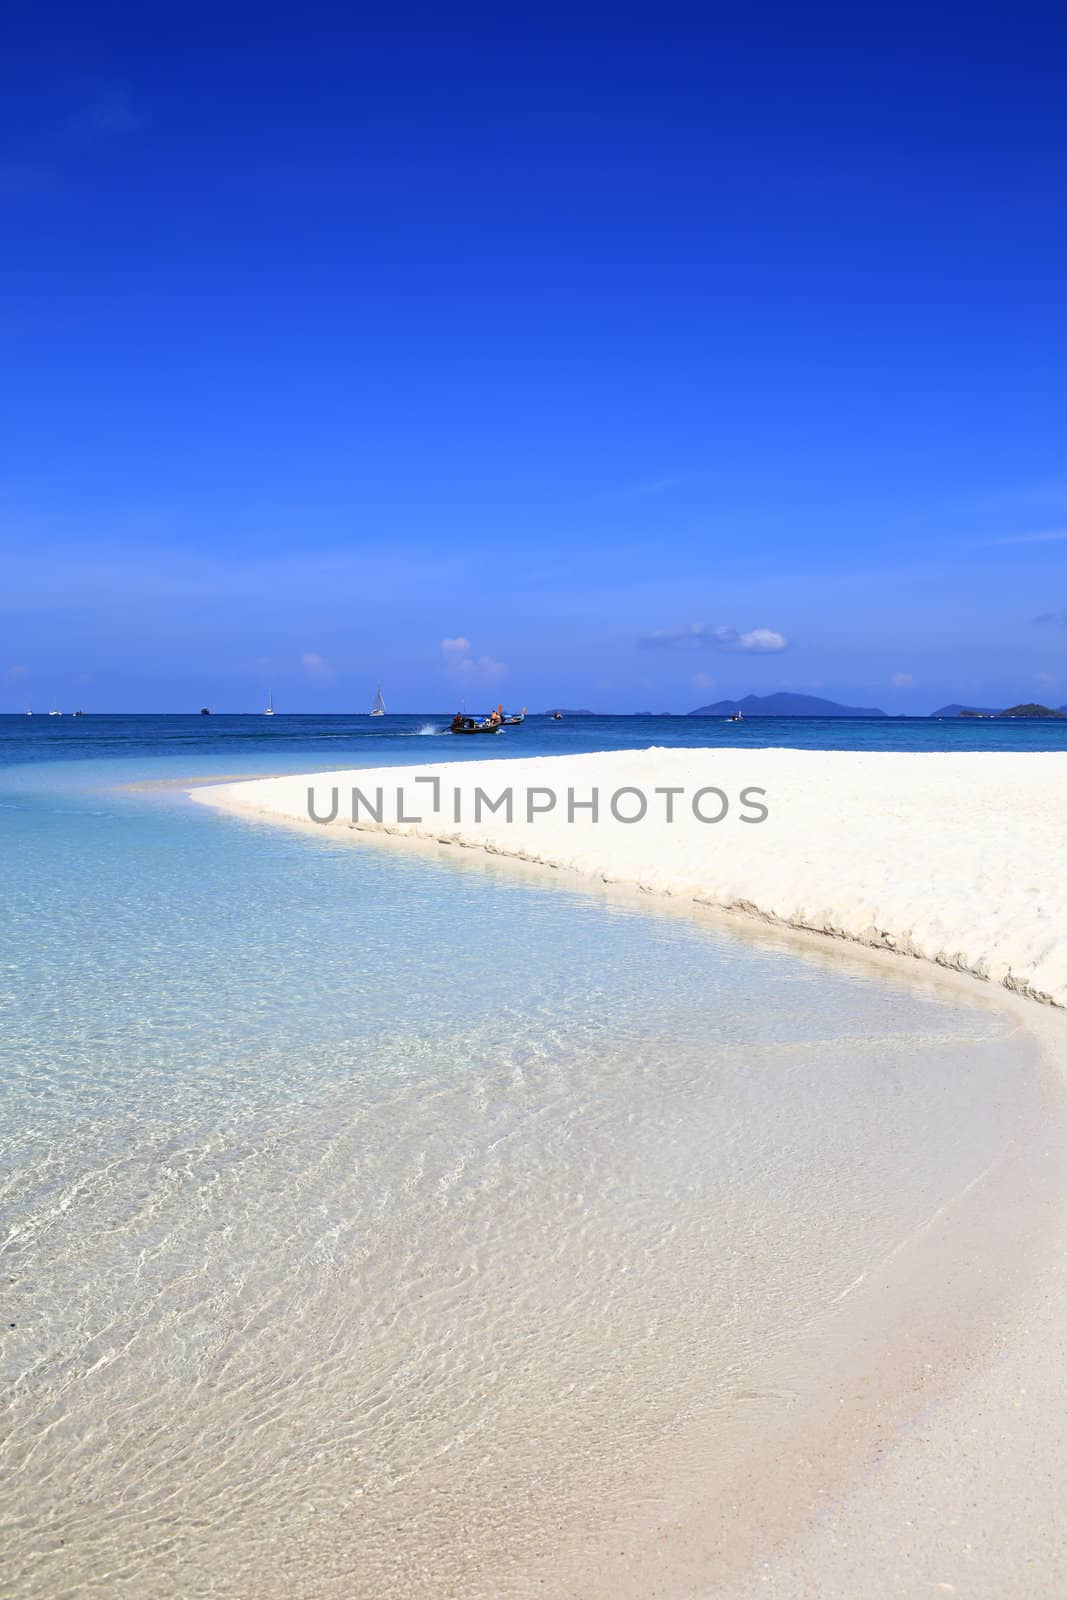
[955,859]
[929,1453]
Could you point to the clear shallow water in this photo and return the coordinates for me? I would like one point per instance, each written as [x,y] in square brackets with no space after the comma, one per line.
[366,1220]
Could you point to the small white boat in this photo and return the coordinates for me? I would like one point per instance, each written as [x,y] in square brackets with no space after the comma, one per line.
[29,711]
[378,708]
[55,713]
[269,711]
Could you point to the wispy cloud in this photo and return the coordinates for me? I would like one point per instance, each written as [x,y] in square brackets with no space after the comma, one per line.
[462,665]
[107,110]
[902,680]
[1051,619]
[15,674]
[695,637]
[670,480]
[1047,536]
[99,110]
[698,636]
[316,666]
[641,491]
[23,180]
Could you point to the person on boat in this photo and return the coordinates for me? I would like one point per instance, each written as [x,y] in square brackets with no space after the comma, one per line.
[457,720]
[495,718]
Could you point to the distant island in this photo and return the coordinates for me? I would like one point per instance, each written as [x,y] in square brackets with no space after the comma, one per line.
[956,710]
[1029,709]
[784,705]
[562,711]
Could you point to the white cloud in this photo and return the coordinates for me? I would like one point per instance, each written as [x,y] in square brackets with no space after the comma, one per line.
[902,680]
[1045,679]
[698,636]
[456,647]
[703,680]
[761,639]
[316,666]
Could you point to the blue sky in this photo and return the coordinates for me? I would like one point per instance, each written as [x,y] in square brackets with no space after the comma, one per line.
[621,357]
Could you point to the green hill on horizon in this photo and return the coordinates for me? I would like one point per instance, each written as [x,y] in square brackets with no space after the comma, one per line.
[784,704]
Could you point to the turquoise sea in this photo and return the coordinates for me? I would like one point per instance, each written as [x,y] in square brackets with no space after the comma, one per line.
[369,1223]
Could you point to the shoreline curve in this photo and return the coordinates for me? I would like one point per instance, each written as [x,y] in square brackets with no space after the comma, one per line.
[944,858]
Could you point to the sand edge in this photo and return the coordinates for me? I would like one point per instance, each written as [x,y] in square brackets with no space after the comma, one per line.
[915,880]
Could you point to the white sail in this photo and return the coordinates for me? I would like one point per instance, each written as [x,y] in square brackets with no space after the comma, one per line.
[378,708]
[269,712]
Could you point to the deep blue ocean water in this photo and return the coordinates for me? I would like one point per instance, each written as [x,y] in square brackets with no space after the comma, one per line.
[176,745]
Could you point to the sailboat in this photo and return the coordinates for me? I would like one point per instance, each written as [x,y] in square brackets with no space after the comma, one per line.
[269,712]
[29,711]
[378,708]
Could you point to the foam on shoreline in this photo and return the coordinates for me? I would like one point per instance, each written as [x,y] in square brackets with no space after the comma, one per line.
[949,858]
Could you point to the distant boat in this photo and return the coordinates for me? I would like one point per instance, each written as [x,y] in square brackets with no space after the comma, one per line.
[557,716]
[269,712]
[29,711]
[55,713]
[79,713]
[378,708]
[205,711]
[739,716]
